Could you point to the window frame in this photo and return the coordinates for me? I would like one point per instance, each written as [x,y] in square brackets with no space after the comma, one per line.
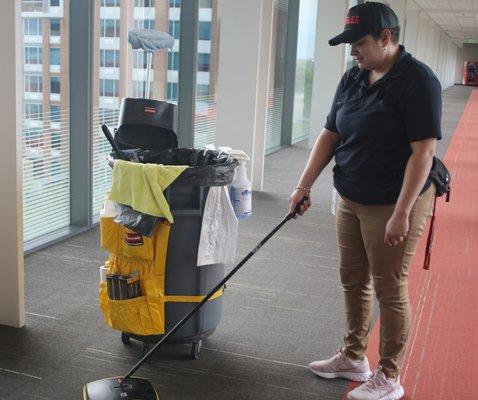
[27,26]
[28,55]
[106,30]
[30,83]
[104,60]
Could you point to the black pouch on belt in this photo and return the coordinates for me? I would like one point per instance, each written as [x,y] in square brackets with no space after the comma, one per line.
[441,177]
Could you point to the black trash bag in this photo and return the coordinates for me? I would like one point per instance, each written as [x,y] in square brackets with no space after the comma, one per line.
[128,137]
[143,224]
[206,167]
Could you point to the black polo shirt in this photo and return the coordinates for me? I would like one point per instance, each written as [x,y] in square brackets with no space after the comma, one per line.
[376,124]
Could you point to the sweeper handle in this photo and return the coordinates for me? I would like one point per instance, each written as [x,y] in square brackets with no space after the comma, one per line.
[110,138]
[211,293]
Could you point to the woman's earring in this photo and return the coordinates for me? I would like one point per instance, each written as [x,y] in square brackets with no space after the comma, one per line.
[384,49]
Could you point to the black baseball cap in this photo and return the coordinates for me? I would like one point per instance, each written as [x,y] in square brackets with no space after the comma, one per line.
[363,19]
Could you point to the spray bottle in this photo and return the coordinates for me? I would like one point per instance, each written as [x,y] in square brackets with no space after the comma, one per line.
[241,189]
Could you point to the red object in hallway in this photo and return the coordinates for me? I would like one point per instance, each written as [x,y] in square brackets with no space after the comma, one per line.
[442,352]
[470,73]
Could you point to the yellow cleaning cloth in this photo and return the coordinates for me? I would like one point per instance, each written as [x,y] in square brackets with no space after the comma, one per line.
[141,186]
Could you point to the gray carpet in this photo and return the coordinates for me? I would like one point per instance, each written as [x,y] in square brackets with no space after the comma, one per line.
[282,310]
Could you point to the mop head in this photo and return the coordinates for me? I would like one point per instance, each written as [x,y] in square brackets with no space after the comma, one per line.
[111,389]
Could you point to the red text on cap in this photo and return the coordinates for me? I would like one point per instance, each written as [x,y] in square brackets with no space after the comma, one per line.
[352,20]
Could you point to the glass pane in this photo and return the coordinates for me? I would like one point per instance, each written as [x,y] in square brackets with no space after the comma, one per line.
[55,84]
[119,71]
[55,56]
[276,78]
[54,27]
[304,73]
[46,130]
[206,75]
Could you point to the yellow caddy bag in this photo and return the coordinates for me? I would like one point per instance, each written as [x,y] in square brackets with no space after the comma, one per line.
[130,252]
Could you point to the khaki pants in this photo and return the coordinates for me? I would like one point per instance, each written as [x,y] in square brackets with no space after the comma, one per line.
[367,263]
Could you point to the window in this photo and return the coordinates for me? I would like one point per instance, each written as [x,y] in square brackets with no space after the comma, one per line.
[33,139]
[174,3]
[106,115]
[55,113]
[205,3]
[33,111]
[174,27]
[55,84]
[205,117]
[140,59]
[203,62]
[55,140]
[33,55]
[304,73]
[139,88]
[46,202]
[204,30]
[202,90]
[109,58]
[33,83]
[110,3]
[54,56]
[32,27]
[173,61]
[32,5]
[109,87]
[173,91]
[55,27]
[109,28]
[144,3]
[55,167]
[38,169]
[144,23]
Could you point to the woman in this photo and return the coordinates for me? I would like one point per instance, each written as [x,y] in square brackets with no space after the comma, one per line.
[382,129]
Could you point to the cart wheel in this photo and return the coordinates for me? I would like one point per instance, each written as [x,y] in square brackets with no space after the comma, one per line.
[144,350]
[195,350]
[125,338]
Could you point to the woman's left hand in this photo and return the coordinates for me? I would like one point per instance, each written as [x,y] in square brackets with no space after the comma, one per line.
[396,230]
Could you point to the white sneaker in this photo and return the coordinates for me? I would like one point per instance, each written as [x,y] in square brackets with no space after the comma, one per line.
[378,388]
[340,366]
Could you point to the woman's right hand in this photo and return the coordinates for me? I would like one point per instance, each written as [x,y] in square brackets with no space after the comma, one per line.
[296,196]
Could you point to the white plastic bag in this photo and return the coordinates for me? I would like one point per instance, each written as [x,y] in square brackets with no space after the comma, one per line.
[218,241]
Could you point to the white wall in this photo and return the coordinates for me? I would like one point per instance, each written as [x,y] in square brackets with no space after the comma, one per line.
[411,29]
[469,52]
[432,45]
[244,60]
[399,6]
[422,44]
[12,301]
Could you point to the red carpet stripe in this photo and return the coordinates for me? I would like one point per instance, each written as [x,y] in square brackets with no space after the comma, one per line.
[442,353]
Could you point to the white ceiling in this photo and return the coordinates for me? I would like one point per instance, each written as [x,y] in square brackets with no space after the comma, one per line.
[458,18]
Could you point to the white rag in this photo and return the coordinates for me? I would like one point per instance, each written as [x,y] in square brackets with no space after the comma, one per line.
[218,241]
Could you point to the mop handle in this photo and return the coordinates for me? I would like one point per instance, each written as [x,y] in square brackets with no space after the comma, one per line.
[211,293]
[110,138]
